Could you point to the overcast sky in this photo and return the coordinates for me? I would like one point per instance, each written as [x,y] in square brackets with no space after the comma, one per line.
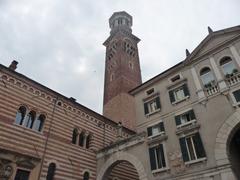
[59,42]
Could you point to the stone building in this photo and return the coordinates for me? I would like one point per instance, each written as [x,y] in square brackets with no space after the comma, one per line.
[182,124]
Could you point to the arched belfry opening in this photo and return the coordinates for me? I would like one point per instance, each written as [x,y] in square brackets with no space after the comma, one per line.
[121,170]
[234,151]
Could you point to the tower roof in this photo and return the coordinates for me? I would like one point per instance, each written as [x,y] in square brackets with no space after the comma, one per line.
[120,20]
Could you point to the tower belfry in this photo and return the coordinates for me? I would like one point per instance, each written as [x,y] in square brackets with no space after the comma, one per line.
[122,70]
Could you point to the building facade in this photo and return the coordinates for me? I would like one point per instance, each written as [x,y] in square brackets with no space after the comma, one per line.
[183,124]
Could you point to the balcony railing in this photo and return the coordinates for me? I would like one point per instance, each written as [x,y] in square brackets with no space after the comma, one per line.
[211,88]
[233,79]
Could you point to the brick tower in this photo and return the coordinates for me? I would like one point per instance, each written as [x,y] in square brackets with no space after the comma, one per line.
[122,70]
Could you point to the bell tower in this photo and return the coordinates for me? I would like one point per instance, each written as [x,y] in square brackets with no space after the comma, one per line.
[122,70]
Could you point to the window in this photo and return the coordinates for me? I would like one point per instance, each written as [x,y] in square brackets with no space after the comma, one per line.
[157,158]
[150,91]
[192,148]
[156,129]
[20,115]
[86,176]
[81,139]
[152,106]
[228,66]
[29,120]
[51,171]
[236,95]
[175,78]
[38,123]
[88,138]
[206,76]
[185,118]
[179,94]
[22,175]
[74,136]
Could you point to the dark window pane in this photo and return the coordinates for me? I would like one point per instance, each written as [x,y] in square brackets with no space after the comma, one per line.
[162,156]
[177,120]
[149,131]
[81,139]
[161,126]
[86,176]
[146,108]
[158,102]
[185,90]
[171,95]
[88,141]
[152,158]
[51,171]
[184,149]
[22,175]
[74,136]
[38,123]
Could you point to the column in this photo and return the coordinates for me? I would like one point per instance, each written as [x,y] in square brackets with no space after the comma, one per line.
[235,54]
[197,83]
[220,80]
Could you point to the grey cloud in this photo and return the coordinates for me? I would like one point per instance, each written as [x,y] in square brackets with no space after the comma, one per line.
[59,43]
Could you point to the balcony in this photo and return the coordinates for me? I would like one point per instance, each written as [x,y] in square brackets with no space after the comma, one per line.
[232,79]
[211,88]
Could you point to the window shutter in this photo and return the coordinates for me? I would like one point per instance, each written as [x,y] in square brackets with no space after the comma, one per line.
[192,114]
[171,95]
[158,102]
[162,156]
[178,120]
[162,127]
[184,149]
[185,90]
[199,146]
[237,95]
[149,131]
[152,158]
[146,108]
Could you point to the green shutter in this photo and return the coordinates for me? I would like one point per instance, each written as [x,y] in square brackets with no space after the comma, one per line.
[149,131]
[162,156]
[178,120]
[192,114]
[171,96]
[162,127]
[158,102]
[185,90]
[146,108]
[199,146]
[237,95]
[183,146]
[152,158]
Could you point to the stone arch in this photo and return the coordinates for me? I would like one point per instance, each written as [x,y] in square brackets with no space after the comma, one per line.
[119,157]
[224,135]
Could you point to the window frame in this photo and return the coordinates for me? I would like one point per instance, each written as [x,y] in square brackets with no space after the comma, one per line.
[163,168]
[161,127]
[146,104]
[197,159]
[180,114]
[235,102]
[172,93]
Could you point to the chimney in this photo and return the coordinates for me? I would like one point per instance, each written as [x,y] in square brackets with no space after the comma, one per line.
[72,99]
[13,65]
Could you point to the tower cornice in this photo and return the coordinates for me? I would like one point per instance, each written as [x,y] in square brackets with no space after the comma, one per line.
[125,33]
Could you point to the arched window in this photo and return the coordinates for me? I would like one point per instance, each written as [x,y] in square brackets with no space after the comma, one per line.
[81,139]
[74,136]
[51,171]
[38,123]
[227,65]
[86,176]
[20,115]
[88,139]
[206,75]
[30,119]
